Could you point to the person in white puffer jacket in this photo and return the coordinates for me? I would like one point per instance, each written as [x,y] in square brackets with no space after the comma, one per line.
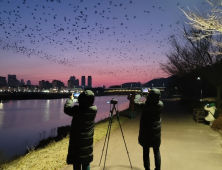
[211,110]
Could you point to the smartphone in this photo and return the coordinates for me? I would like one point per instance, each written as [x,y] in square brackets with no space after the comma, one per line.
[145,90]
[76,95]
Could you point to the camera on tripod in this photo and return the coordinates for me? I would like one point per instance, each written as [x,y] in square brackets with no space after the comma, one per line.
[113,101]
[113,108]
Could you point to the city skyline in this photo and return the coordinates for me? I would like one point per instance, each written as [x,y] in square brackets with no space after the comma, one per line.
[13,78]
[47,84]
[113,41]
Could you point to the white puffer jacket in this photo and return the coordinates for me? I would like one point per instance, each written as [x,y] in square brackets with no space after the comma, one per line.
[211,111]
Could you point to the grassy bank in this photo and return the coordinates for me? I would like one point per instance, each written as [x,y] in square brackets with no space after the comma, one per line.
[53,156]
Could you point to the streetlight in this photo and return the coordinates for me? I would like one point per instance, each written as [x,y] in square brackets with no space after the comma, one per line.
[198,78]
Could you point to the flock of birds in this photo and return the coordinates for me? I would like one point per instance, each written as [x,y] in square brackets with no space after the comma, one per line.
[104,37]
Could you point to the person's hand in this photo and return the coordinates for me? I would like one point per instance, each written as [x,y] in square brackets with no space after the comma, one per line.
[71,97]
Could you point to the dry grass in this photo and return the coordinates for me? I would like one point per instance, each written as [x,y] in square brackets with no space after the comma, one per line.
[53,156]
[217,124]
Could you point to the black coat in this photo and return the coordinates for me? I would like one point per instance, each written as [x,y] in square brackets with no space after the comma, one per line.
[81,134]
[150,122]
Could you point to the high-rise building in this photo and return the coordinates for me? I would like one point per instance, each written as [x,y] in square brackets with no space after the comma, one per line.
[71,82]
[48,85]
[90,81]
[77,83]
[42,84]
[12,81]
[29,82]
[3,81]
[83,81]
[57,84]
[73,78]
[22,82]
[45,84]
[18,83]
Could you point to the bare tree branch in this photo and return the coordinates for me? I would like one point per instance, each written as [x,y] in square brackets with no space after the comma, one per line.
[211,24]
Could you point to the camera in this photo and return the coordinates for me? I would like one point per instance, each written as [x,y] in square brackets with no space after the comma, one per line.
[113,101]
[76,95]
[145,90]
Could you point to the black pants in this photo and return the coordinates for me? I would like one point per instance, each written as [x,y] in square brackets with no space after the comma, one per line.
[206,122]
[77,166]
[146,158]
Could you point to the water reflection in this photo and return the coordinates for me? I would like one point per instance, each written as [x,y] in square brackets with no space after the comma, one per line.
[24,120]
[1,115]
[46,114]
[18,104]
[1,105]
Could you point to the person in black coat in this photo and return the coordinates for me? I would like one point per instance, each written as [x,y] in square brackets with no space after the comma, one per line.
[80,151]
[150,126]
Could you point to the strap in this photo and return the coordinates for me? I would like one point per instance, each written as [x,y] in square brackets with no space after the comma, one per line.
[211,113]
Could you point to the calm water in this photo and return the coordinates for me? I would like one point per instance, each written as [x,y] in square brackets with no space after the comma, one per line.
[23,123]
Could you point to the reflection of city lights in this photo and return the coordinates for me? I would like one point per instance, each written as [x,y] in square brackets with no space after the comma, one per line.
[46,115]
[1,105]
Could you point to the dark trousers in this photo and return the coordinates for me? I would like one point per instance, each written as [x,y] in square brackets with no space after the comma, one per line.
[146,158]
[77,166]
[206,122]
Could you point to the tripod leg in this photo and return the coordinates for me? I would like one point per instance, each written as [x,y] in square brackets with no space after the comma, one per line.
[108,129]
[123,137]
[108,142]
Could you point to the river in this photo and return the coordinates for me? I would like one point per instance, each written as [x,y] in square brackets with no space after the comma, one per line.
[23,123]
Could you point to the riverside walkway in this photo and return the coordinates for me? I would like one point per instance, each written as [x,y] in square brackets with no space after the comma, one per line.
[185,144]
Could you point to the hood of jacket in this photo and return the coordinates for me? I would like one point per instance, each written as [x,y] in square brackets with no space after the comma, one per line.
[153,97]
[86,98]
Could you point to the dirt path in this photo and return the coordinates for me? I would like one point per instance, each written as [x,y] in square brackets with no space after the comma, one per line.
[185,144]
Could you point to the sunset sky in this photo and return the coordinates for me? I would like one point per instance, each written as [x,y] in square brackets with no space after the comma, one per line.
[114,41]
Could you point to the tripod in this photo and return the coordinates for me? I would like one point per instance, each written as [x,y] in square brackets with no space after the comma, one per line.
[108,133]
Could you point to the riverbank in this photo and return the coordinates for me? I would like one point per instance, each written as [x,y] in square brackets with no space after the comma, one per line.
[53,156]
[45,96]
